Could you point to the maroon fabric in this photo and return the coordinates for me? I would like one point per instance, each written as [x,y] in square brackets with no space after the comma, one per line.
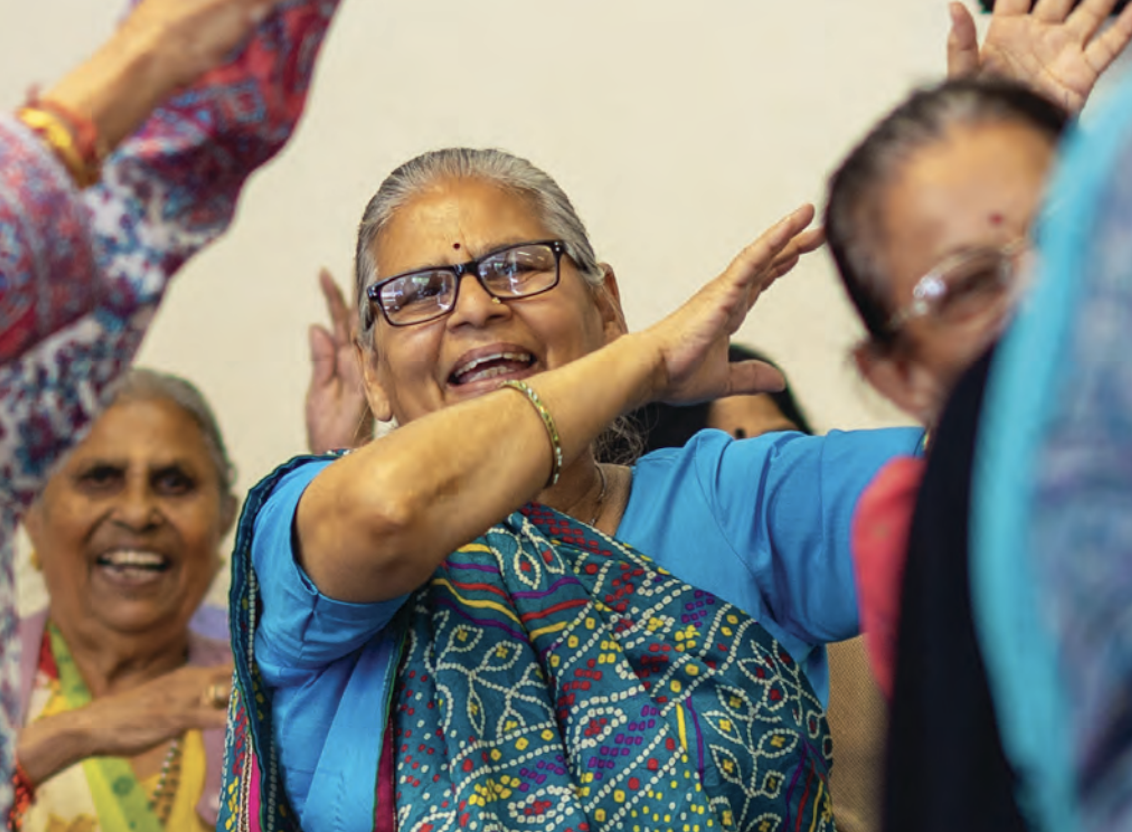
[384,818]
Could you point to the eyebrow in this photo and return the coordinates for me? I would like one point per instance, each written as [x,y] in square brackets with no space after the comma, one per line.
[470,258]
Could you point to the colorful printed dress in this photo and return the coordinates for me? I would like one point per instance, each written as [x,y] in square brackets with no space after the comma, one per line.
[81,274]
[548,677]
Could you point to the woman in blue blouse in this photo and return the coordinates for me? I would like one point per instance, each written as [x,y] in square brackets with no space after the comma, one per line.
[622,647]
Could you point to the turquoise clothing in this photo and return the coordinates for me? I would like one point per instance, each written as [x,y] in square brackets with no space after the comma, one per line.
[1051,531]
[765,520]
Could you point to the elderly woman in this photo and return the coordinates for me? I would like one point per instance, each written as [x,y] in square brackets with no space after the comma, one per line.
[470,622]
[124,704]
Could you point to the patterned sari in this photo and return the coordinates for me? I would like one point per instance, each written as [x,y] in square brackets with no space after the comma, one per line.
[552,678]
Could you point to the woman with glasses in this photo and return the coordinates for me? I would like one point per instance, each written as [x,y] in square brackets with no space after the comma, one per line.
[471,623]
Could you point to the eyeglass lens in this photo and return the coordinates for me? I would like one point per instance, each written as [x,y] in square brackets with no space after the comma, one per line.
[515,272]
[975,285]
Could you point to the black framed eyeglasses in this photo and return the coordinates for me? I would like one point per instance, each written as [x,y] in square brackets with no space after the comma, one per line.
[515,271]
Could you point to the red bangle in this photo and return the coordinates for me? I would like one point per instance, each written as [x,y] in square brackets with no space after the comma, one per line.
[23,799]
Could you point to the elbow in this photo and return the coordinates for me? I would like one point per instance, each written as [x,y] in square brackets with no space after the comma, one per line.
[364,551]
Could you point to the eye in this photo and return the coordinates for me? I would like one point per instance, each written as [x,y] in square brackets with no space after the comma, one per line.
[100,477]
[516,266]
[975,287]
[173,482]
[419,288]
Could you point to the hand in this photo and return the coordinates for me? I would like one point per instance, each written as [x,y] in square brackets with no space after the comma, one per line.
[126,724]
[193,36]
[1057,51]
[130,723]
[162,45]
[692,341]
[337,412]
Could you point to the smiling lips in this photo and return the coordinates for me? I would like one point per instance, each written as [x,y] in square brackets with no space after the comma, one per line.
[133,566]
[484,367]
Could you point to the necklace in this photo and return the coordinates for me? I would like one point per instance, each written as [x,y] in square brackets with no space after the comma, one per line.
[162,800]
[600,496]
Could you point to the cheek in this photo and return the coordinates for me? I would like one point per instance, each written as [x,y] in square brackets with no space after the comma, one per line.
[198,525]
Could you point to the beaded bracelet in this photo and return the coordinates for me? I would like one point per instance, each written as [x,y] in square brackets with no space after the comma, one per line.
[548,421]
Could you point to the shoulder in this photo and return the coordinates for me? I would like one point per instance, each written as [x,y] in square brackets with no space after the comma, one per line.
[718,460]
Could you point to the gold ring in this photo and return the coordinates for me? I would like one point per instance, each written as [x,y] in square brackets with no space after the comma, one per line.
[216,696]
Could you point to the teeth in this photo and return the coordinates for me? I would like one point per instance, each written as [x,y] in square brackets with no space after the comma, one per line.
[470,367]
[124,558]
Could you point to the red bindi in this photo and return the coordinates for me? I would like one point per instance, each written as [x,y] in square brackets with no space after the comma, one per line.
[456,246]
[996,219]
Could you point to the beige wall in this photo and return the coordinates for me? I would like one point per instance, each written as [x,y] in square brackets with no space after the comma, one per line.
[681,130]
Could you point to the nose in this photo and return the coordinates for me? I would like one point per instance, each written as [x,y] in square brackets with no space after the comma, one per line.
[474,306]
[137,508]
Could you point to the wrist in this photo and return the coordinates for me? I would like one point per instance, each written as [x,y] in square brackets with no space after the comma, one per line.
[645,352]
[119,86]
[52,744]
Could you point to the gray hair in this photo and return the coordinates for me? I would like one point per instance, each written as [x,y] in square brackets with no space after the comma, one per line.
[496,167]
[149,385]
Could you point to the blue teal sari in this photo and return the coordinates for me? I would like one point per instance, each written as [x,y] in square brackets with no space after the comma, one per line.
[552,678]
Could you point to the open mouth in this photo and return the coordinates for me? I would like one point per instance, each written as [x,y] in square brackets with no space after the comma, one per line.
[490,366]
[133,565]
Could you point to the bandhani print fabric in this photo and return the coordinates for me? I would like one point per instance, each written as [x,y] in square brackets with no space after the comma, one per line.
[555,679]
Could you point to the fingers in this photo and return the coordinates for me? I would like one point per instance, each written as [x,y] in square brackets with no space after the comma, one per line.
[1088,18]
[1006,8]
[962,43]
[1052,11]
[761,254]
[336,306]
[1108,46]
[324,363]
[751,377]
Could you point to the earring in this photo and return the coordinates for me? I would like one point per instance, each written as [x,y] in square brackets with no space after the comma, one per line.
[35,561]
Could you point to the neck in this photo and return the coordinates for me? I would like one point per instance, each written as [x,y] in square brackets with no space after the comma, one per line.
[587,494]
[113,662]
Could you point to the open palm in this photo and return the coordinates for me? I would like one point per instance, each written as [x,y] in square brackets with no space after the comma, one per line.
[337,414]
[1058,50]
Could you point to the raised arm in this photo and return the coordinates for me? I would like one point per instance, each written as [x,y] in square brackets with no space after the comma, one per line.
[160,47]
[1058,50]
[375,524]
[91,268]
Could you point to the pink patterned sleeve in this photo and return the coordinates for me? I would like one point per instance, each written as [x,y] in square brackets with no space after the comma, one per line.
[81,275]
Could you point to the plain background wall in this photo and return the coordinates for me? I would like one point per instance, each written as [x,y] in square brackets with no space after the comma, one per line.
[680,131]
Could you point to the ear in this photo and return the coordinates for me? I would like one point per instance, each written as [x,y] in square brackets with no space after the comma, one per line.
[229,507]
[608,296]
[379,404]
[33,522]
[903,381]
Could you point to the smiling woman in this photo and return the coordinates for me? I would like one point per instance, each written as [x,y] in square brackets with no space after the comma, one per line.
[418,672]
[117,689]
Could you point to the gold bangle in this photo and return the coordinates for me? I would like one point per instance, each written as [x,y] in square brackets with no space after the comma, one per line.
[548,422]
[59,137]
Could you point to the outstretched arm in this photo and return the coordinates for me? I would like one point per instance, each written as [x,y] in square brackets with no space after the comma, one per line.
[1058,50]
[375,524]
